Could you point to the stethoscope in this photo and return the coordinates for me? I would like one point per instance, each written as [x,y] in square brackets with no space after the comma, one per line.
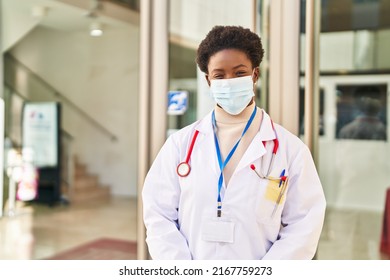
[184,168]
[274,151]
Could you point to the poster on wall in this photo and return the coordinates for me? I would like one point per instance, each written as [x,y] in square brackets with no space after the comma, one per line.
[41,132]
[177,102]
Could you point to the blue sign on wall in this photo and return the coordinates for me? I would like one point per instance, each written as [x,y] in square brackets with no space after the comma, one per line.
[177,102]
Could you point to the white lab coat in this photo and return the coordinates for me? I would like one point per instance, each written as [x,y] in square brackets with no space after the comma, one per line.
[176,208]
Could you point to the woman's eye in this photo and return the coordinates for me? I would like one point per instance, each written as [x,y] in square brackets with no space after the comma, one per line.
[241,73]
[218,77]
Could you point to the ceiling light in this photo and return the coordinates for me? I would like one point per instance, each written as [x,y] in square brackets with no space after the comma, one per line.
[96,29]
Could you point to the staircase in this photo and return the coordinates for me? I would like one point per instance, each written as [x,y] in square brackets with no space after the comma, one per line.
[86,187]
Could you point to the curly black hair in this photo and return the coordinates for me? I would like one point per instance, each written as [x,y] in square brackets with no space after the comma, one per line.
[229,37]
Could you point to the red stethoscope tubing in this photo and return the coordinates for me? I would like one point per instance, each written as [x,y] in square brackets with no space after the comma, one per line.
[184,168]
[192,146]
[274,150]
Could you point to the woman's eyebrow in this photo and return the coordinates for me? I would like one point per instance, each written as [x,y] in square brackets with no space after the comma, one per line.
[235,67]
[240,65]
[217,70]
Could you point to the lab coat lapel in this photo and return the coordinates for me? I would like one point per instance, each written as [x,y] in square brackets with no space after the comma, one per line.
[256,148]
[206,143]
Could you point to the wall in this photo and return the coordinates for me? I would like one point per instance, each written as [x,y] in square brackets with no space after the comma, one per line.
[15,24]
[100,75]
[191,20]
[352,50]
[382,55]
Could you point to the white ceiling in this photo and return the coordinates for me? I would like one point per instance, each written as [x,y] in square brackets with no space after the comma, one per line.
[63,15]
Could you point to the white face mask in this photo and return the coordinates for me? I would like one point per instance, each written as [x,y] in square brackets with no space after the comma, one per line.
[233,95]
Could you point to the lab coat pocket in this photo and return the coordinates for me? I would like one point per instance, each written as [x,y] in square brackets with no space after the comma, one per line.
[270,202]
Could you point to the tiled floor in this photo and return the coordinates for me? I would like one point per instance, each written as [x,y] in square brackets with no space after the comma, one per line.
[351,235]
[38,232]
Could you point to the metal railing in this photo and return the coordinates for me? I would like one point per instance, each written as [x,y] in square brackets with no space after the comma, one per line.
[13,63]
[131,4]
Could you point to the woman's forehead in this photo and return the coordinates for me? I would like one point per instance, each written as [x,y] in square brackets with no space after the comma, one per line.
[229,58]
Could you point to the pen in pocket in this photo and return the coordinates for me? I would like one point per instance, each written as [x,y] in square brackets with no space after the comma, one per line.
[281,193]
[281,177]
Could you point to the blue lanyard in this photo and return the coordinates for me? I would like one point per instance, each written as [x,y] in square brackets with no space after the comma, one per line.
[222,164]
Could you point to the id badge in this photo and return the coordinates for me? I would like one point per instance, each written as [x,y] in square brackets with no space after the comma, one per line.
[218,230]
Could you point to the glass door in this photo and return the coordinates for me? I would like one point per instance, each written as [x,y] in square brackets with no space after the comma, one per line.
[353,131]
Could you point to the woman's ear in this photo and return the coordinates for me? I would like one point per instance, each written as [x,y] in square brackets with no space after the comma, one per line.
[207,79]
[256,74]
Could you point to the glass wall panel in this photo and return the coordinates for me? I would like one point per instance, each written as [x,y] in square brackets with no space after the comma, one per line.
[354,148]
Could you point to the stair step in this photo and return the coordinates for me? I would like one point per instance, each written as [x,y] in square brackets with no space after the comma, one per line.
[86,187]
[80,170]
[85,181]
[90,194]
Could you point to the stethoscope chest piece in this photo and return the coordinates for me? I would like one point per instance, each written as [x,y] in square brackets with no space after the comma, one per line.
[183,169]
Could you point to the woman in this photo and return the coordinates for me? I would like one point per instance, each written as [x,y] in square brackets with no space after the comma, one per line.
[233,185]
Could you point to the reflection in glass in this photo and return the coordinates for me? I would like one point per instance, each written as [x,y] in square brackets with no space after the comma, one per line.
[361,112]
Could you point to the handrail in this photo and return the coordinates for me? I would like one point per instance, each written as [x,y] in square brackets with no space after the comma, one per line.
[56,93]
[14,91]
[67,134]
[130,4]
